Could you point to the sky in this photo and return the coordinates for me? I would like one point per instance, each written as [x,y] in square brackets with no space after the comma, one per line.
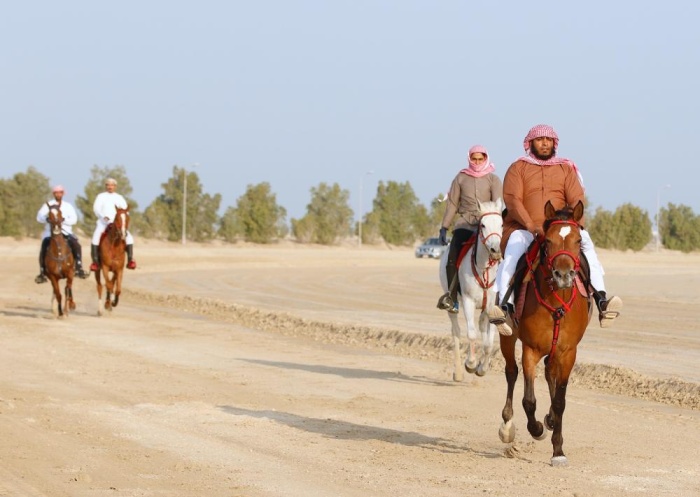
[353,92]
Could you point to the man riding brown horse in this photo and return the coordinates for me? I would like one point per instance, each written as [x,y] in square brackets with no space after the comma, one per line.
[531,181]
[69,219]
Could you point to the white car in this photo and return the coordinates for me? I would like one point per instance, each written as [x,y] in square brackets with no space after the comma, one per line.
[431,248]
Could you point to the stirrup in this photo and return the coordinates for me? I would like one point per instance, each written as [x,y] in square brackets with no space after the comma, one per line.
[40,279]
[610,309]
[80,273]
[93,267]
[498,318]
[131,264]
[445,302]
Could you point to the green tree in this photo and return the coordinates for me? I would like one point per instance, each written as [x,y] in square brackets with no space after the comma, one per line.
[328,216]
[22,196]
[95,186]
[628,227]
[401,217]
[679,228]
[634,226]
[260,219]
[602,229]
[164,216]
[230,228]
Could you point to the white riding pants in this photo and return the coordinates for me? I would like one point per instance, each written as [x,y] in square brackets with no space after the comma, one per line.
[518,243]
[100,228]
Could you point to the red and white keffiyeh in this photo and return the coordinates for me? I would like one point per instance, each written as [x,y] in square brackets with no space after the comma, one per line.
[478,170]
[546,131]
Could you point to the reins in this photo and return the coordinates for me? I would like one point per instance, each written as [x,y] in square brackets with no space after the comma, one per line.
[483,280]
[546,267]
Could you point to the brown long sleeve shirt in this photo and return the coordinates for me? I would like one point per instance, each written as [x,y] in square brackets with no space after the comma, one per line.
[462,206]
[527,188]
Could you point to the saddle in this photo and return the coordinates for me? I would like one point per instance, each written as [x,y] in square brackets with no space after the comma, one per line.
[465,248]
[521,282]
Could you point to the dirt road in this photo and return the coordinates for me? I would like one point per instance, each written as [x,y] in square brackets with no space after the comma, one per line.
[312,371]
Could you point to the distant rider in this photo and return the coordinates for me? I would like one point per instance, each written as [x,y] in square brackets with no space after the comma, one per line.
[69,219]
[105,209]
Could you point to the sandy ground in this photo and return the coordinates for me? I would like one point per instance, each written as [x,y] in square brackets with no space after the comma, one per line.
[315,371]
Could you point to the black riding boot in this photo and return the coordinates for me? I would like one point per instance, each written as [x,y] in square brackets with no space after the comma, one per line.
[95,254]
[130,262]
[77,257]
[42,255]
[451,270]
[601,300]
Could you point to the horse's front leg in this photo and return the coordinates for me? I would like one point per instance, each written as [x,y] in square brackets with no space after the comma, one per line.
[530,360]
[70,303]
[457,373]
[100,306]
[56,297]
[557,373]
[488,335]
[109,286]
[507,430]
[118,286]
[472,360]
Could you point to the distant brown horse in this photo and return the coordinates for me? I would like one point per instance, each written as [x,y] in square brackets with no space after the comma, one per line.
[555,314]
[58,262]
[112,251]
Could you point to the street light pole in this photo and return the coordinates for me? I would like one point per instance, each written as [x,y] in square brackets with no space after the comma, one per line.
[184,204]
[359,226]
[658,214]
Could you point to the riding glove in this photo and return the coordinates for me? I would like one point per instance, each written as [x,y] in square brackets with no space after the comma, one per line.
[443,236]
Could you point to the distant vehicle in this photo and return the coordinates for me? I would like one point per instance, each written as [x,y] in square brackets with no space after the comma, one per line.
[431,248]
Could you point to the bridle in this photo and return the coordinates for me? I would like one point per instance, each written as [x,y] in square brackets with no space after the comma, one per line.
[484,281]
[547,267]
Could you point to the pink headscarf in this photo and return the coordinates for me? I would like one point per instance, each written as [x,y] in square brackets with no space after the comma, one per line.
[546,131]
[478,170]
[57,188]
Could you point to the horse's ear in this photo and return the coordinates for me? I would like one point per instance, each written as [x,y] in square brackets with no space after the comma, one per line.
[499,204]
[549,210]
[578,211]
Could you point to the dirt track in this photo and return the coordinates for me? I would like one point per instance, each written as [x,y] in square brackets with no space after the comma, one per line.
[311,371]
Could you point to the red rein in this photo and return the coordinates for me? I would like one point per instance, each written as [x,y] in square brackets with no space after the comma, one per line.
[484,280]
[558,313]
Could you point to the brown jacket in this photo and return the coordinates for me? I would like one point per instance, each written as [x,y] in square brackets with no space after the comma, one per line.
[526,189]
[462,199]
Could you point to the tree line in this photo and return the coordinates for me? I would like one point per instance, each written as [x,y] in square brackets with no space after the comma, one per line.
[397,217]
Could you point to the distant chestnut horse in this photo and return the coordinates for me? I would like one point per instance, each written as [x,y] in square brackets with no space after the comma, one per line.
[59,264]
[112,252]
[554,317]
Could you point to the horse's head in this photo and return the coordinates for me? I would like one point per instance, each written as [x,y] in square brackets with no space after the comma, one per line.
[55,219]
[562,243]
[121,222]
[491,227]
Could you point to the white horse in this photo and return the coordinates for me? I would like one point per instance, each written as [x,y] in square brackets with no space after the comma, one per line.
[477,274]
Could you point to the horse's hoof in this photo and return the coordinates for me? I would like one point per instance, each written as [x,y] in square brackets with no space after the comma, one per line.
[542,436]
[559,461]
[507,432]
[469,369]
[548,422]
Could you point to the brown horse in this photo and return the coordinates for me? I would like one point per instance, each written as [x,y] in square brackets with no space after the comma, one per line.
[59,264]
[112,250]
[555,313]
